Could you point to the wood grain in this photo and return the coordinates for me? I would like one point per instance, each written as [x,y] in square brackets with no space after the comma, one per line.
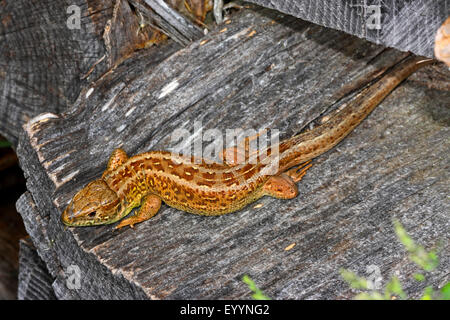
[404,25]
[42,60]
[35,283]
[44,64]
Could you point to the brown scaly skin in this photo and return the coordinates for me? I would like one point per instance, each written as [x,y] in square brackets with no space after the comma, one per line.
[212,188]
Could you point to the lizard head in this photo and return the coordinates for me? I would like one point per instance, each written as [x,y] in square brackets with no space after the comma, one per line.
[95,204]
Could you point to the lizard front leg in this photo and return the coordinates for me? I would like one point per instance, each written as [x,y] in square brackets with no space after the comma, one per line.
[117,158]
[149,207]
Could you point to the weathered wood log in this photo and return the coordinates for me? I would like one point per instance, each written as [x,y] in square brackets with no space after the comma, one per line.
[45,63]
[42,60]
[48,55]
[404,25]
[35,283]
[264,70]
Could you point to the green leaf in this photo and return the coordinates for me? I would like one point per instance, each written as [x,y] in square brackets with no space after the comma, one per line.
[355,281]
[432,260]
[445,292]
[428,294]
[5,144]
[257,293]
[369,296]
[419,276]
[404,238]
[426,260]
[394,287]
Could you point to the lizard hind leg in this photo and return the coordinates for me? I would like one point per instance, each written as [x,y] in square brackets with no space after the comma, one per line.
[118,157]
[281,187]
[149,207]
[284,186]
[297,173]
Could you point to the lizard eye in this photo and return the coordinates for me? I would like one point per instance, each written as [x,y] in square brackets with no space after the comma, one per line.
[92,214]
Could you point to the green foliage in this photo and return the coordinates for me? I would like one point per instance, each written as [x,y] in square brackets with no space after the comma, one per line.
[419,276]
[427,261]
[354,280]
[428,294]
[374,295]
[257,293]
[445,292]
[394,288]
[5,144]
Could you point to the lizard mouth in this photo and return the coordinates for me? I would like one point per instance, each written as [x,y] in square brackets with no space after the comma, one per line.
[68,216]
[92,218]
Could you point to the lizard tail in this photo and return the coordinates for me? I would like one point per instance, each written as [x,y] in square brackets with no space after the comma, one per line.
[308,145]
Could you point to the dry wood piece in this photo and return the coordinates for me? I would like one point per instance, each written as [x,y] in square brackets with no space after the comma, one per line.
[168,20]
[43,60]
[35,283]
[405,25]
[46,58]
[266,70]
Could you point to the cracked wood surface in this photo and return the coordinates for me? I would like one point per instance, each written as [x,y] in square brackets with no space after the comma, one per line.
[45,63]
[42,60]
[262,70]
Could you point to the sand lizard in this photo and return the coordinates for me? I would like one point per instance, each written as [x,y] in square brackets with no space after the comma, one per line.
[150,178]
